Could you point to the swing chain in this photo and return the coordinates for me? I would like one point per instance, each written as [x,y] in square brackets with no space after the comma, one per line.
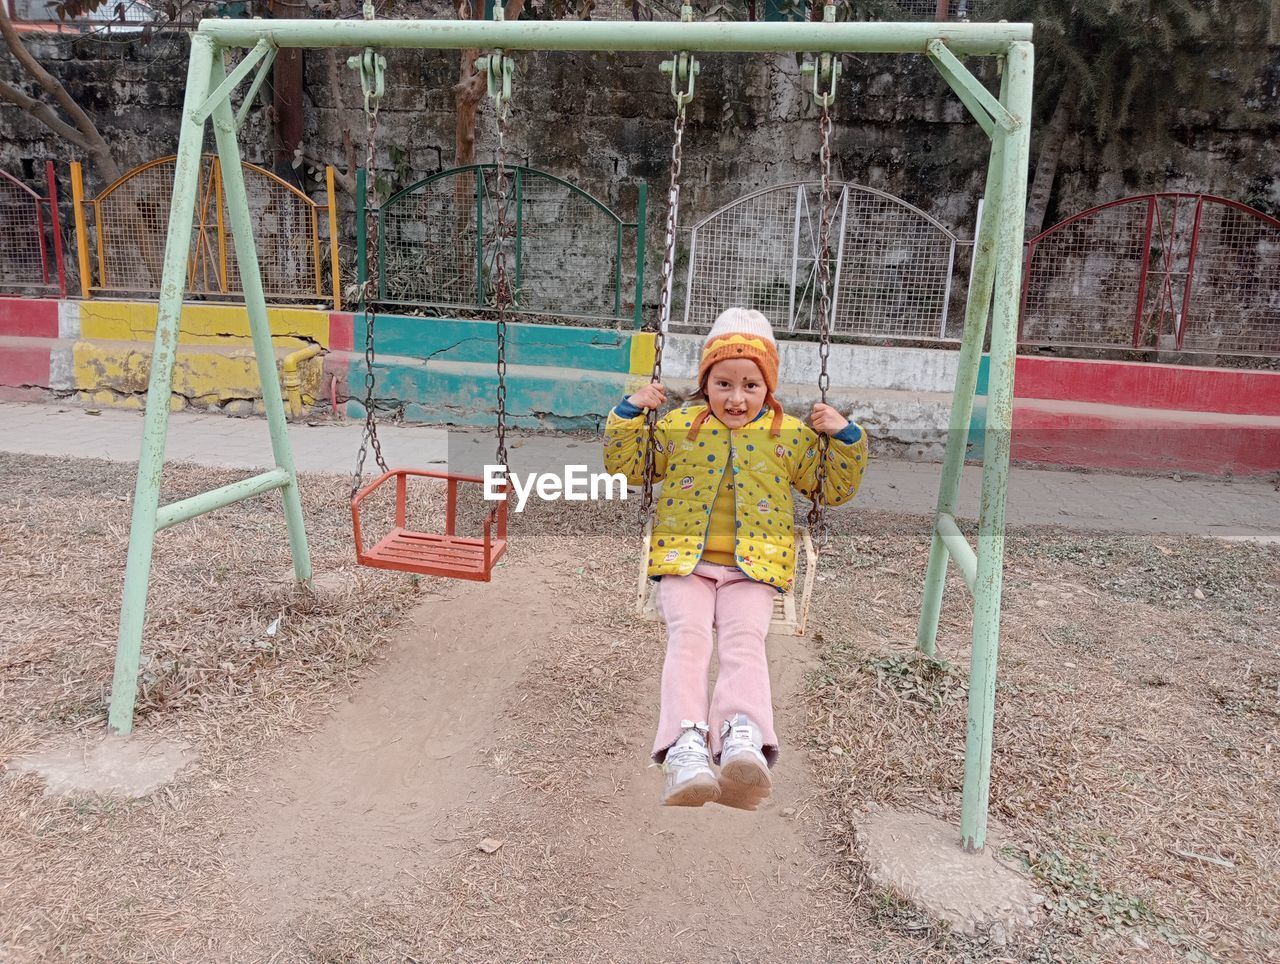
[664,301]
[817,518]
[371,66]
[502,293]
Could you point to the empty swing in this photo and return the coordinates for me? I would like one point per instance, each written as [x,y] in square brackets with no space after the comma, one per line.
[790,615]
[405,549]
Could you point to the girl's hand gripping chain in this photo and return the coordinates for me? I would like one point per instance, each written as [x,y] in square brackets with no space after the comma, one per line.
[826,420]
[653,395]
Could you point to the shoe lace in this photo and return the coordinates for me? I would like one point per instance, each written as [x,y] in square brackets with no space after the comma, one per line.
[687,754]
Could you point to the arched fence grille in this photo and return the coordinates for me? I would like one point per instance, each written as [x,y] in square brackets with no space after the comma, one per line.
[1188,272]
[891,275]
[569,254]
[131,224]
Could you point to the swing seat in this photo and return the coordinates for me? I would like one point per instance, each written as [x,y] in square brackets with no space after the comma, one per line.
[432,554]
[790,616]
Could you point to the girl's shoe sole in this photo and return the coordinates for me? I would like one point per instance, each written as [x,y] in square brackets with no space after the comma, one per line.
[744,783]
[695,793]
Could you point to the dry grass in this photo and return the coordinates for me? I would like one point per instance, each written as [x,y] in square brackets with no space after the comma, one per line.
[1135,769]
[105,880]
[1136,744]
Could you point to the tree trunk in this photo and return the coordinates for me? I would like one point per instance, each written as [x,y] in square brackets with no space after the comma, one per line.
[286,83]
[471,86]
[1055,135]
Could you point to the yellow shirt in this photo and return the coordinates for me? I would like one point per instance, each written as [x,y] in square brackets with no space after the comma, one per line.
[721,531]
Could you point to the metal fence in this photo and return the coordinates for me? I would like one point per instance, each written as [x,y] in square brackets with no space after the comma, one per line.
[1190,272]
[571,256]
[131,222]
[892,274]
[30,237]
[784,10]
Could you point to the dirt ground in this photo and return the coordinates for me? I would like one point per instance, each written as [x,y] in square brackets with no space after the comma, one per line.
[352,765]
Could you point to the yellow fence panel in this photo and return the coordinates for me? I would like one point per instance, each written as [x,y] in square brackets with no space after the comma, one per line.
[131,221]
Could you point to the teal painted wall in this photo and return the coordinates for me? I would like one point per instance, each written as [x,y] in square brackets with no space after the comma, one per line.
[984,374]
[454,340]
[465,393]
[444,371]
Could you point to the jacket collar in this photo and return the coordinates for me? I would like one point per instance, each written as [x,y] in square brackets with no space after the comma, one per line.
[771,404]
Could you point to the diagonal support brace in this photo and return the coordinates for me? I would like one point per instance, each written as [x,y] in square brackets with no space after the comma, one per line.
[264,48]
[982,104]
[259,79]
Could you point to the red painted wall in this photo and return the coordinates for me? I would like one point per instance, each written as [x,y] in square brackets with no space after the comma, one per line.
[341,331]
[1065,434]
[1143,385]
[28,318]
[25,365]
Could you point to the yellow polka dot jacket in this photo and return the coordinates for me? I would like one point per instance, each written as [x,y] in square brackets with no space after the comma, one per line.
[695,449]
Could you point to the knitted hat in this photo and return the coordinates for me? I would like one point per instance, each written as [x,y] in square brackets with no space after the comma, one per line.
[742,333]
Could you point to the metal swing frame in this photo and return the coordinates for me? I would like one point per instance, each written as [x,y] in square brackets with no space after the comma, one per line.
[993,293]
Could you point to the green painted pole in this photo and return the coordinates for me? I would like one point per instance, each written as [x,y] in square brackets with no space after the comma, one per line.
[995,470]
[642,215]
[617,270]
[519,233]
[237,199]
[977,311]
[981,39]
[362,241]
[379,244]
[958,548]
[480,193]
[146,495]
[170,515]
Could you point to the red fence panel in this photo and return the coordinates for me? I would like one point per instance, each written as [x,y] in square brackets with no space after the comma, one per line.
[1178,271]
[30,238]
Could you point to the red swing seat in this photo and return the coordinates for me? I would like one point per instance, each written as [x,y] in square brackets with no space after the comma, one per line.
[432,554]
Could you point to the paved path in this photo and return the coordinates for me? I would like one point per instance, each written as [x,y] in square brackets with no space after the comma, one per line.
[1079,500]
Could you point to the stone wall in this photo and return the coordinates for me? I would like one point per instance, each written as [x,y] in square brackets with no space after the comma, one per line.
[603,122]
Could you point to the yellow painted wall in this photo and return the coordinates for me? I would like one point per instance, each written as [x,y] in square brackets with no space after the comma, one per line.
[201,324]
[203,374]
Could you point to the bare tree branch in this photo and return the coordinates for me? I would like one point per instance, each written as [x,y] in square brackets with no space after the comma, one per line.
[44,114]
[90,140]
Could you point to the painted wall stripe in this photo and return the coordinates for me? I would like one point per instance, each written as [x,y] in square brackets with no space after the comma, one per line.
[24,361]
[446,339]
[1144,385]
[341,331]
[201,324]
[69,320]
[643,350]
[28,318]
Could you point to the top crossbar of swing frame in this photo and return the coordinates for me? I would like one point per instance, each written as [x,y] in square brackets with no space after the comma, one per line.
[967,39]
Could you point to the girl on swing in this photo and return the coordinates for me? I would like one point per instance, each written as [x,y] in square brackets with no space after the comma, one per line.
[723,546]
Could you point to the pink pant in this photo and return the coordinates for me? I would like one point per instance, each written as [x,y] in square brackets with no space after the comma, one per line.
[739,609]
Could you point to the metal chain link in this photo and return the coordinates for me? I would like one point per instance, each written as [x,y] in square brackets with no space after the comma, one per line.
[370,434]
[664,306]
[501,292]
[817,518]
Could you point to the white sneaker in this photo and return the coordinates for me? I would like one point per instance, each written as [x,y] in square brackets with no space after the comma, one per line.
[744,772]
[690,780]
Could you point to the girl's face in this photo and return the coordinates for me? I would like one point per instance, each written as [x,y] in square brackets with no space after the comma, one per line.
[735,391]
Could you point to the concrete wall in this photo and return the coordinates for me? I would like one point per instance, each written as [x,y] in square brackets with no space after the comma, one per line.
[1068,412]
